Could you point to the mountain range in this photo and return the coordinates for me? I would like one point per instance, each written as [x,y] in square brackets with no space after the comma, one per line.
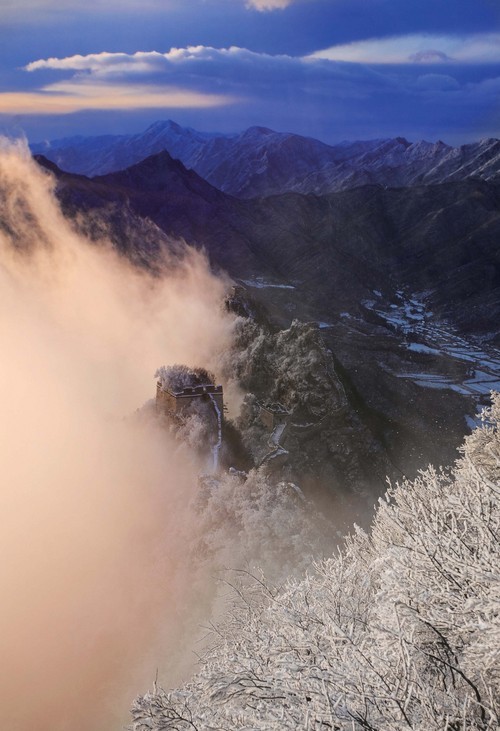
[402,283]
[441,239]
[261,162]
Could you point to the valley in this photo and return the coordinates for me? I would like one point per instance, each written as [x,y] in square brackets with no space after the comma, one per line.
[320,344]
[414,368]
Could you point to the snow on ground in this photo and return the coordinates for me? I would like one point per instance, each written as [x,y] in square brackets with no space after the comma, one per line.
[427,335]
[277,434]
[419,348]
[260,283]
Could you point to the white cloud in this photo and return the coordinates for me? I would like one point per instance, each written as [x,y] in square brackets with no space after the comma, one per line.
[152,62]
[233,64]
[101,62]
[482,48]
[265,5]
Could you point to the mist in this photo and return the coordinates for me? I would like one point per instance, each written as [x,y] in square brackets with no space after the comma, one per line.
[95,504]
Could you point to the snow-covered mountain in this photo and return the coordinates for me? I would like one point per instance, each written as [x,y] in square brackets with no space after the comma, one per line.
[109,153]
[261,162]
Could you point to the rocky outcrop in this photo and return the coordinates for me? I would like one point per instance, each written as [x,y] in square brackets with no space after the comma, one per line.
[316,436]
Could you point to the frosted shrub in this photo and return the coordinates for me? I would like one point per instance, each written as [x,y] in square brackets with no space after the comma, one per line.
[399,631]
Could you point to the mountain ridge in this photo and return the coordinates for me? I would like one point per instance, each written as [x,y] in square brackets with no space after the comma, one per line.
[260,162]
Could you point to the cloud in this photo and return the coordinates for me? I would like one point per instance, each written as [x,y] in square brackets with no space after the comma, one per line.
[482,48]
[192,77]
[234,64]
[266,5]
[143,62]
[108,557]
[69,97]
[109,81]
[96,526]
[117,63]
[330,98]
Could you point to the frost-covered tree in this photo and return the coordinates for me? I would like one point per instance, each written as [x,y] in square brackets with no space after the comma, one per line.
[401,630]
[251,522]
[177,377]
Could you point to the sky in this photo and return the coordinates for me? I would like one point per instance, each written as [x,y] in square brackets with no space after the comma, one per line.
[330,69]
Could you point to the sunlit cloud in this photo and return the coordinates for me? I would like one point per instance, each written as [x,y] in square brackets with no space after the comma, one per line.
[69,97]
[482,48]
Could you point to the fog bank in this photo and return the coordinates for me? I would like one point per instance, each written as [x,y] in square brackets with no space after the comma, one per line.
[94,506]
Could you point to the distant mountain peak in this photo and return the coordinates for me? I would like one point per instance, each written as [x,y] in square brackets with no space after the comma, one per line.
[259,161]
[257,131]
[163,125]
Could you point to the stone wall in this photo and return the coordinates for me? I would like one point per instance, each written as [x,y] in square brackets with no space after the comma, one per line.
[167,401]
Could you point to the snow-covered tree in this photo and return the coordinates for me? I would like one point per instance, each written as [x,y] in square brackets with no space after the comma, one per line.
[254,523]
[401,630]
[177,377]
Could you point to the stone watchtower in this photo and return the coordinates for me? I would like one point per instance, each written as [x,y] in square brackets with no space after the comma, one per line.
[176,401]
[172,399]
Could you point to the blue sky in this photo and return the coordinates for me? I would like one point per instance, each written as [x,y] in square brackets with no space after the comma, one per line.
[332,69]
